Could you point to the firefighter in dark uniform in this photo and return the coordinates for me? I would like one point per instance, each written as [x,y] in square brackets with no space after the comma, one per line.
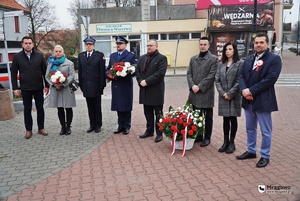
[122,87]
[92,80]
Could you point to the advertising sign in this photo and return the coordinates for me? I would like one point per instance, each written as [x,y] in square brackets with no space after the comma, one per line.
[205,4]
[242,39]
[240,17]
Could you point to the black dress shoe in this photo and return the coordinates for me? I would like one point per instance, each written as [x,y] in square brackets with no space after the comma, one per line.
[97,129]
[263,162]
[126,131]
[68,131]
[91,129]
[205,143]
[119,130]
[224,147]
[230,149]
[62,131]
[158,138]
[246,155]
[145,135]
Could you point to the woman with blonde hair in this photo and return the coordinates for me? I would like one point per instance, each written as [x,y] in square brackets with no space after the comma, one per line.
[60,73]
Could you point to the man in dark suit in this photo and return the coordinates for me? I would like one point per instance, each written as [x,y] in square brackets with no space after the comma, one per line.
[92,80]
[257,79]
[31,67]
[150,73]
[122,87]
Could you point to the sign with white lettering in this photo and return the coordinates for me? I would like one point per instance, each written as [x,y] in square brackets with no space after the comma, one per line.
[228,17]
[113,28]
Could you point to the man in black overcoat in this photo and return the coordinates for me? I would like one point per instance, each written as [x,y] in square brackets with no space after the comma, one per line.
[150,73]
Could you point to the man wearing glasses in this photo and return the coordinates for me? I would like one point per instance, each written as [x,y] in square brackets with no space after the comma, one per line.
[150,73]
[92,80]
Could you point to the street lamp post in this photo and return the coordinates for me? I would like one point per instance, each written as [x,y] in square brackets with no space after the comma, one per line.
[254,26]
[297,39]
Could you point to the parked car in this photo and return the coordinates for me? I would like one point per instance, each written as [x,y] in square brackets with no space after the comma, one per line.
[4,79]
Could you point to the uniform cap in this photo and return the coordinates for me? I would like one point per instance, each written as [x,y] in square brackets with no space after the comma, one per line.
[89,40]
[120,39]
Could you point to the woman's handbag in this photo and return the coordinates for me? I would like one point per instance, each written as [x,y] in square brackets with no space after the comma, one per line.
[74,85]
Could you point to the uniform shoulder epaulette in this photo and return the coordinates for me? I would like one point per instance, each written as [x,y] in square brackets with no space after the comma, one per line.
[96,51]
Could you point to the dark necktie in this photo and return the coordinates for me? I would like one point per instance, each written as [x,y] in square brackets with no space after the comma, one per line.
[89,55]
[119,55]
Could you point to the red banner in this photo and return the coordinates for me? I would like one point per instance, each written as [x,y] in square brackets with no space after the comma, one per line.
[204,4]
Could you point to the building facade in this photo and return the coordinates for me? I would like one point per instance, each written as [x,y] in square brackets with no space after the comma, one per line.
[178,27]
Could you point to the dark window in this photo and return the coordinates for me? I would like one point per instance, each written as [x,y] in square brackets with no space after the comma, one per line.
[134,37]
[181,35]
[163,36]
[153,36]
[17,24]
[196,35]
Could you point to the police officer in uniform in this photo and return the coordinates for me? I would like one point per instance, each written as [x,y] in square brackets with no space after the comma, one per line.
[122,87]
[92,80]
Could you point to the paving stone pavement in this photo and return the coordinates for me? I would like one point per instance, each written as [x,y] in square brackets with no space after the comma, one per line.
[103,166]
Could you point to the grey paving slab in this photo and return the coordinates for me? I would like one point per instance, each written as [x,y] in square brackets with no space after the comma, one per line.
[26,162]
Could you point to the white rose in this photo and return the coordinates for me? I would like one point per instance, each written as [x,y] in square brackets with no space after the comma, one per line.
[127,64]
[123,73]
[53,78]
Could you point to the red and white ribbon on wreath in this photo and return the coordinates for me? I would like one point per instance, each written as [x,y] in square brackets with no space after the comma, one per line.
[183,139]
[173,142]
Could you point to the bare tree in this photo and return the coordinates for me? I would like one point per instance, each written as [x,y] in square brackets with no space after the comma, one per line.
[41,18]
[74,6]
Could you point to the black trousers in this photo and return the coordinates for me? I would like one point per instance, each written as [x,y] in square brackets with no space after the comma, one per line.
[94,111]
[124,119]
[149,112]
[38,96]
[208,113]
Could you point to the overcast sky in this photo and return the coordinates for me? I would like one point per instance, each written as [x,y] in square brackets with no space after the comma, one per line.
[66,19]
[62,12]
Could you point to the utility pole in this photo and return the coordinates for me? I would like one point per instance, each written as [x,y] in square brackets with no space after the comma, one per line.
[254,26]
[298,28]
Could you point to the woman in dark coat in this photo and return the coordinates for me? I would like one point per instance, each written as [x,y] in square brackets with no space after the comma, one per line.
[122,87]
[227,84]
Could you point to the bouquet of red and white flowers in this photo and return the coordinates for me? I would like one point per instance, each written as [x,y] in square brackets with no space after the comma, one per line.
[57,77]
[120,69]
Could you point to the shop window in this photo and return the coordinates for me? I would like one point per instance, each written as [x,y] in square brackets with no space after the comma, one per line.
[196,36]
[153,36]
[17,24]
[134,36]
[0,58]
[181,35]
[10,56]
[163,37]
